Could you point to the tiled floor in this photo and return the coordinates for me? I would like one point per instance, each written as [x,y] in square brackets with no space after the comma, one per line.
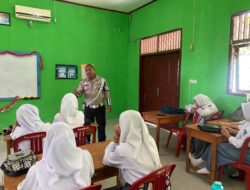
[180,179]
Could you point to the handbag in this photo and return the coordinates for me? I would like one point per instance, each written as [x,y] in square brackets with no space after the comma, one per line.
[212,128]
[18,163]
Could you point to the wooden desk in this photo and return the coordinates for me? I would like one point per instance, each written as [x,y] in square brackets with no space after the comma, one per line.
[8,140]
[213,138]
[221,121]
[101,172]
[158,118]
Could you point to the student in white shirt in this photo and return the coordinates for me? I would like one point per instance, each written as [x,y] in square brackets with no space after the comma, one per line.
[27,121]
[227,152]
[205,109]
[63,166]
[132,150]
[69,112]
[203,106]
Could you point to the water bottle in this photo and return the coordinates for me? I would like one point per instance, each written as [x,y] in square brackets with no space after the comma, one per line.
[217,185]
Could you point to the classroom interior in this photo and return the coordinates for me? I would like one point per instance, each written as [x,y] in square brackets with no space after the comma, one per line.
[110,41]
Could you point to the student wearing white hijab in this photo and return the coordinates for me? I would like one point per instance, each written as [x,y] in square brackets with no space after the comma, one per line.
[205,109]
[132,150]
[203,106]
[27,121]
[227,152]
[69,112]
[63,166]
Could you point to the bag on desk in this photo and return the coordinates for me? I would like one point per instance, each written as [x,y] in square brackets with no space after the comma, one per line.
[212,128]
[18,163]
[172,110]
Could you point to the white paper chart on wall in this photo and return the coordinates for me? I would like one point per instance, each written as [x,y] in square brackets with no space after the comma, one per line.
[19,75]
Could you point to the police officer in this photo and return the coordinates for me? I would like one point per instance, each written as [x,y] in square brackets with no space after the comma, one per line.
[95,89]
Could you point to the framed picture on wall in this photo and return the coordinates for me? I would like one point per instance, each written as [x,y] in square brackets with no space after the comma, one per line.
[5,18]
[72,72]
[66,71]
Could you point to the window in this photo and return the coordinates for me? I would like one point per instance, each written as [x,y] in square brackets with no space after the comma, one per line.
[169,41]
[239,61]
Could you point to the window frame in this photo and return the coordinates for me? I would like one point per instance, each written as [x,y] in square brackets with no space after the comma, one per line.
[233,45]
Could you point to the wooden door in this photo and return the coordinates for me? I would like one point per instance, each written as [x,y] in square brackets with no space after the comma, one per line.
[159,81]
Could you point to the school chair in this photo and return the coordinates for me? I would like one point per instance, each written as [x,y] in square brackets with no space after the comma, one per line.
[82,132]
[157,180]
[244,169]
[181,131]
[35,139]
[93,187]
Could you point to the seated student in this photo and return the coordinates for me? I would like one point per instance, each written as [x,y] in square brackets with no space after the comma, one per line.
[227,152]
[205,108]
[63,165]
[132,150]
[69,112]
[27,121]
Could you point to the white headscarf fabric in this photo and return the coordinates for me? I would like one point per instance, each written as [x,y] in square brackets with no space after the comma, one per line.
[202,100]
[135,139]
[29,121]
[69,112]
[246,111]
[63,166]
[244,131]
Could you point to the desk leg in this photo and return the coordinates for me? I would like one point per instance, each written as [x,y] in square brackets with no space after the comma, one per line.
[8,146]
[188,150]
[157,136]
[213,169]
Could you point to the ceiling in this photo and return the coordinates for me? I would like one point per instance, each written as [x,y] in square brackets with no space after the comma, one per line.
[125,6]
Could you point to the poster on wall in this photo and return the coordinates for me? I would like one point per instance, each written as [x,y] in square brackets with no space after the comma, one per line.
[66,71]
[5,18]
[83,70]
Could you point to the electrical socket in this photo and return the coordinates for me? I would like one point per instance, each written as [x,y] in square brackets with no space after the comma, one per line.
[192,81]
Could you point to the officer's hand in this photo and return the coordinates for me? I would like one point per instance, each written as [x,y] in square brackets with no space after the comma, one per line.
[109,108]
[75,92]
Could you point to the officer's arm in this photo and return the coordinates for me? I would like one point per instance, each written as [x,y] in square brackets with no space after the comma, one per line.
[79,90]
[107,93]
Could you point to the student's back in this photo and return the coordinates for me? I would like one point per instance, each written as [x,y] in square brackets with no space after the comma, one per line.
[136,154]
[63,165]
[28,121]
[69,112]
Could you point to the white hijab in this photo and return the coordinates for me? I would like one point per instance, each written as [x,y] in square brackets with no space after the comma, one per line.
[246,111]
[63,166]
[136,140]
[203,100]
[69,112]
[29,121]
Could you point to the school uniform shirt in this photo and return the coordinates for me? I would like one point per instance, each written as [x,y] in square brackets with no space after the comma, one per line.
[63,166]
[244,131]
[69,112]
[136,154]
[29,121]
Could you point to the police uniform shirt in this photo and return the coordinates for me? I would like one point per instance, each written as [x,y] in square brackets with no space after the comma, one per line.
[90,89]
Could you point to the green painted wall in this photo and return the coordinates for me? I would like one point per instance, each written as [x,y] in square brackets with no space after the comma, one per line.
[111,42]
[81,35]
[207,63]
